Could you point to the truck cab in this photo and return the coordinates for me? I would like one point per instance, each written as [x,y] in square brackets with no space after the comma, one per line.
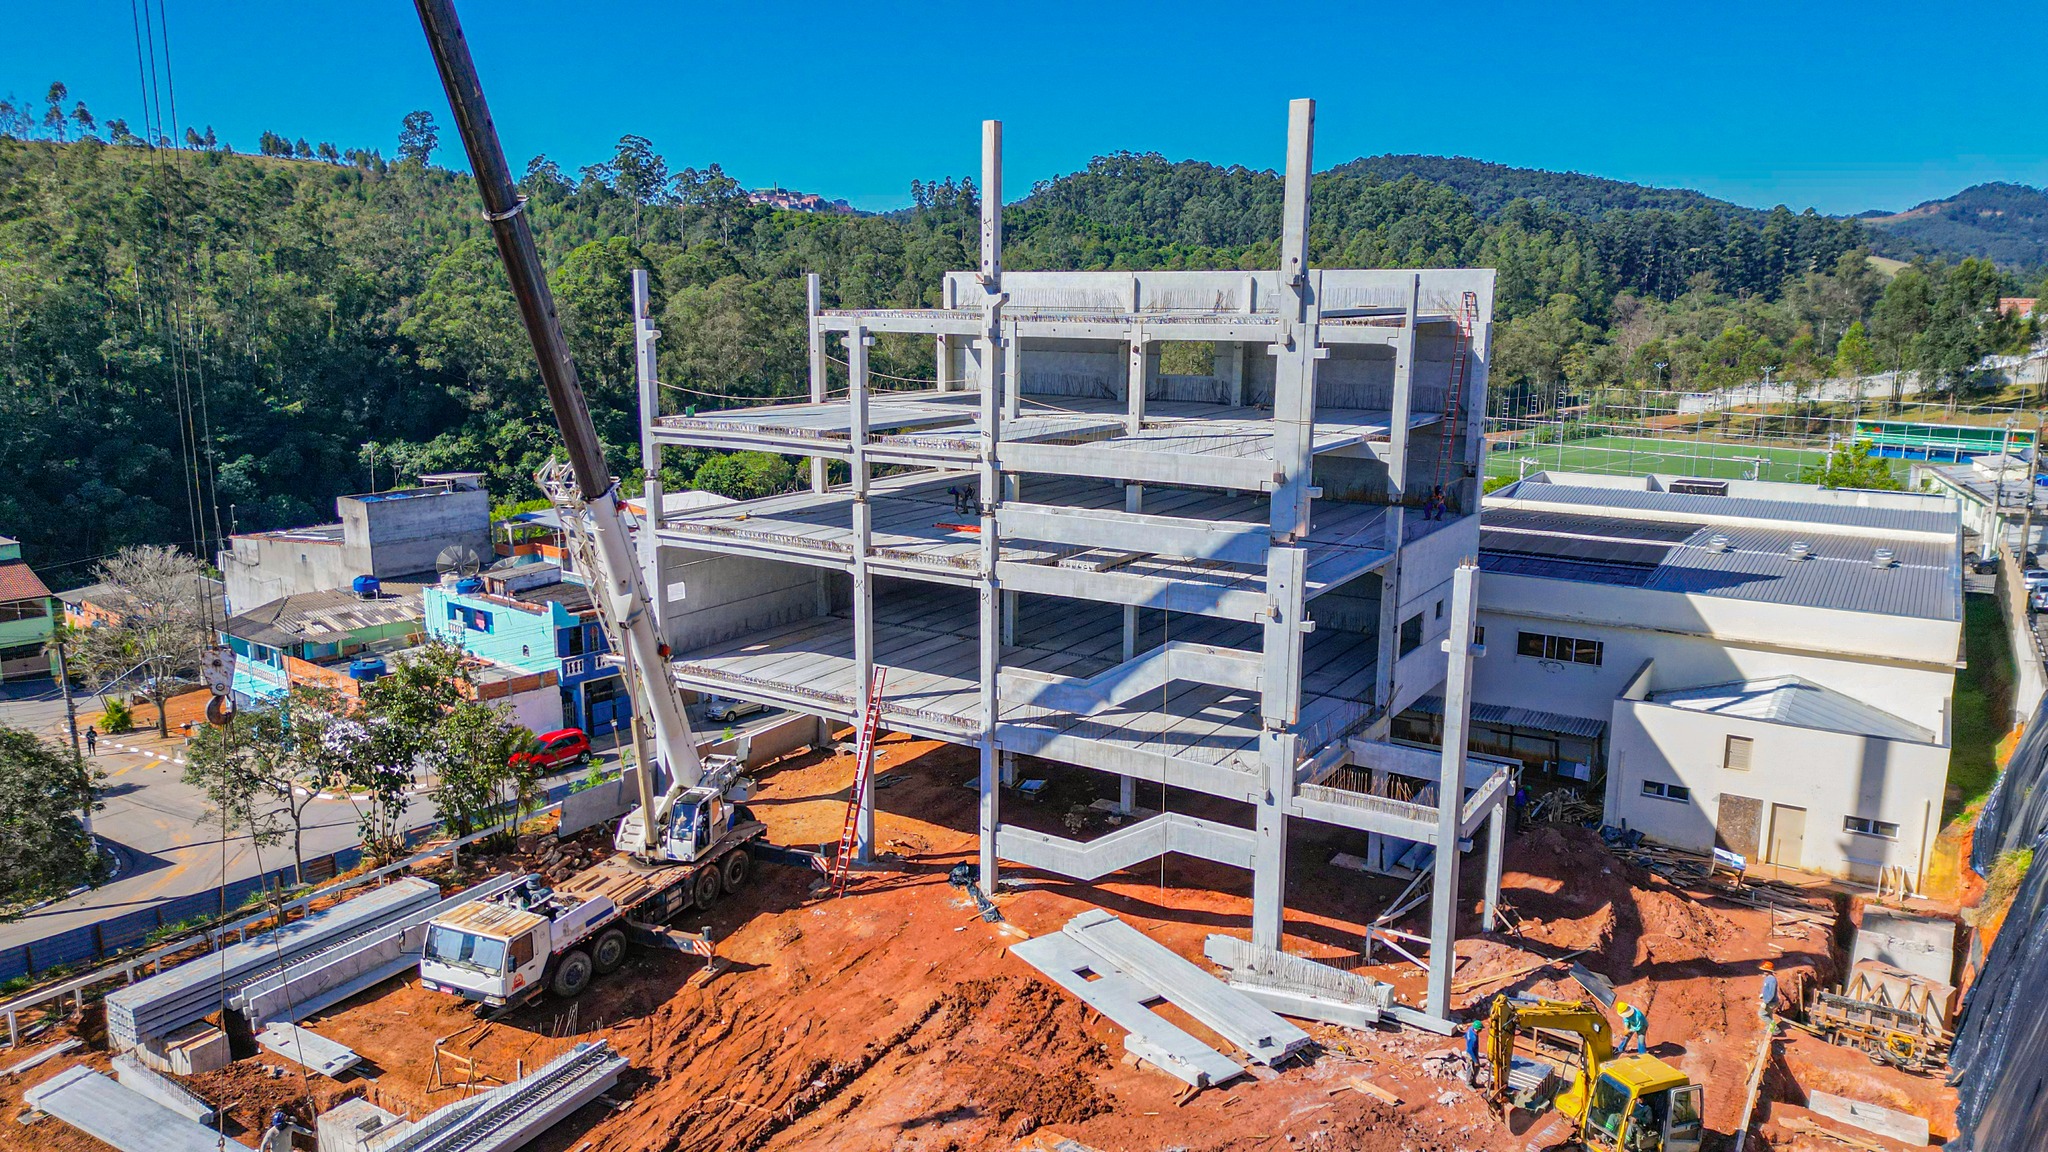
[505,949]
[1642,1104]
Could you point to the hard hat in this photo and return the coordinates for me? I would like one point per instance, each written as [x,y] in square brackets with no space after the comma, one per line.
[1770,967]
[1621,1007]
[277,1119]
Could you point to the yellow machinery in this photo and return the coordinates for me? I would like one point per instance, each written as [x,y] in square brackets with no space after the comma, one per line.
[1614,1103]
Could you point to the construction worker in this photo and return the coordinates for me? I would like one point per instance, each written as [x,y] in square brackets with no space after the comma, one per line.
[1768,1009]
[92,740]
[1472,1054]
[1634,1026]
[278,1137]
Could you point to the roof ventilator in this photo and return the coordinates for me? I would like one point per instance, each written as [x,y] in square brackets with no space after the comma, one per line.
[1717,543]
[1882,558]
[1799,550]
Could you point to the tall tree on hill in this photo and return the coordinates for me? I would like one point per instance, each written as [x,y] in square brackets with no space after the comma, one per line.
[417,138]
[166,625]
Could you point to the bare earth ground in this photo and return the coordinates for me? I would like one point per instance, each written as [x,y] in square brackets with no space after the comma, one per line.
[894,1018]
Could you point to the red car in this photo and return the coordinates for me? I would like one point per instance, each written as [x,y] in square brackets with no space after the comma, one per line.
[554,749]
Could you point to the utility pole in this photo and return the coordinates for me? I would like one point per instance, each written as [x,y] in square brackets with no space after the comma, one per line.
[71,718]
[1995,540]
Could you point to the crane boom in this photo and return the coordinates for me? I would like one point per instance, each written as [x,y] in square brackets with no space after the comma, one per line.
[621,586]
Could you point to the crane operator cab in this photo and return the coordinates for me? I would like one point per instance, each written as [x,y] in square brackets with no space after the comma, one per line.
[696,819]
[1641,1104]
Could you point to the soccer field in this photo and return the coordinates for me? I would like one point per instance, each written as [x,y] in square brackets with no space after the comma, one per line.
[1635,456]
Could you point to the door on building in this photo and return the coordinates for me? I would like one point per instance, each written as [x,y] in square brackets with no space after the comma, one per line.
[1788,835]
[1737,821]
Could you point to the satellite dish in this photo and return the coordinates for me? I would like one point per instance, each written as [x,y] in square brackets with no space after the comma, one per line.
[459,560]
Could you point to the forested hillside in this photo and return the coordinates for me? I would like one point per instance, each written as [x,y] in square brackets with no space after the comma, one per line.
[2006,223]
[1492,187]
[280,329]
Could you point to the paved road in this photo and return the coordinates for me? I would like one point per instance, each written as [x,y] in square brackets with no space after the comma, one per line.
[159,828]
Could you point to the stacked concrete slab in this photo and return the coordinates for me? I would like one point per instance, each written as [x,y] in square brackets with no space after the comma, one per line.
[334,974]
[151,1009]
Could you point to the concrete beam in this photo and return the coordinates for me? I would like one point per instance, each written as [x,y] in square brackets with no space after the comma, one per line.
[1132,844]
[1104,463]
[1127,588]
[1174,660]
[1228,541]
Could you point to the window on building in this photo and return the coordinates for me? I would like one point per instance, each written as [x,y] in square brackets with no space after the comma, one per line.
[1411,634]
[1563,649]
[1883,829]
[1663,791]
[1735,757]
[1439,609]
[474,619]
[569,641]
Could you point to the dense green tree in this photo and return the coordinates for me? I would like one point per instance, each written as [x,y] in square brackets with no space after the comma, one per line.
[44,794]
[1851,465]
[417,138]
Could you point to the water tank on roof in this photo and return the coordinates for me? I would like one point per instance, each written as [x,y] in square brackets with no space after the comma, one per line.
[469,585]
[366,668]
[367,587]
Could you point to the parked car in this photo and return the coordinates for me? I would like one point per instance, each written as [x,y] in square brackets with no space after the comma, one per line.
[554,749]
[2039,600]
[725,709]
[2035,578]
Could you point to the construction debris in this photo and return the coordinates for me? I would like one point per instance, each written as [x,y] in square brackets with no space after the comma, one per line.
[121,1117]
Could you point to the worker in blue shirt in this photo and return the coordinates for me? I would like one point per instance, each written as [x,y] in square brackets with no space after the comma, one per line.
[1472,1054]
[1634,1026]
[1768,1009]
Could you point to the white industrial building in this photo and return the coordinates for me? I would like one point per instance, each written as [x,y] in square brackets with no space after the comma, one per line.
[1768,668]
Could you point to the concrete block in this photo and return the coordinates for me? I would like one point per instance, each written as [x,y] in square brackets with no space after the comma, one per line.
[1885,1122]
[1922,945]
[308,1048]
[348,1126]
[133,1076]
[189,1051]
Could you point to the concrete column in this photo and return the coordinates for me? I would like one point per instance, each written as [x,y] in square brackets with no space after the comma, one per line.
[1013,380]
[1126,794]
[1228,365]
[813,297]
[989,632]
[1404,387]
[1390,609]
[863,584]
[1008,762]
[1496,850]
[1134,388]
[1450,792]
[1277,752]
[942,345]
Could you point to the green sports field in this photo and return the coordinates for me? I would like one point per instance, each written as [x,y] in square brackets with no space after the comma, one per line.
[1635,456]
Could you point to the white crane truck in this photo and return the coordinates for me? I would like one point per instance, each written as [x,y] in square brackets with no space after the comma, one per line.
[692,843]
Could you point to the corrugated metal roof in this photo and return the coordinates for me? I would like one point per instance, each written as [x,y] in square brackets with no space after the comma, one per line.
[1746,507]
[1535,719]
[1797,701]
[312,616]
[1924,580]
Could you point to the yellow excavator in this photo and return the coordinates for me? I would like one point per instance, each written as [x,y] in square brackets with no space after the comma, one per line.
[1612,1103]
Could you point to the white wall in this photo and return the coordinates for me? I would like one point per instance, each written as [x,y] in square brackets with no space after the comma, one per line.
[1829,774]
[540,709]
[1721,645]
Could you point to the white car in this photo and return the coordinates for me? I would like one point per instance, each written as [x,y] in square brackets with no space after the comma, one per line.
[726,709]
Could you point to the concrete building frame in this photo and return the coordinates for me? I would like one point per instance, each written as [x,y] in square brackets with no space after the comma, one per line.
[1053,534]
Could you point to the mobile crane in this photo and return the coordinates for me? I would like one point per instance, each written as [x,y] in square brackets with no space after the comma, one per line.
[1614,1103]
[677,851]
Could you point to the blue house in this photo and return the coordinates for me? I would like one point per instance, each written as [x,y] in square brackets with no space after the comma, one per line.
[530,618]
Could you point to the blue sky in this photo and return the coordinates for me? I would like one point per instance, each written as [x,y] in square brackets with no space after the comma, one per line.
[1841,107]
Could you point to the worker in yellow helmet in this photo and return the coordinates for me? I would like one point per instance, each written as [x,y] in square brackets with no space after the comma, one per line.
[1634,1026]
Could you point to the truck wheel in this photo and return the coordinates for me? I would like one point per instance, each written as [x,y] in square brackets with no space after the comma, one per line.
[705,891]
[609,952]
[734,870]
[572,975]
